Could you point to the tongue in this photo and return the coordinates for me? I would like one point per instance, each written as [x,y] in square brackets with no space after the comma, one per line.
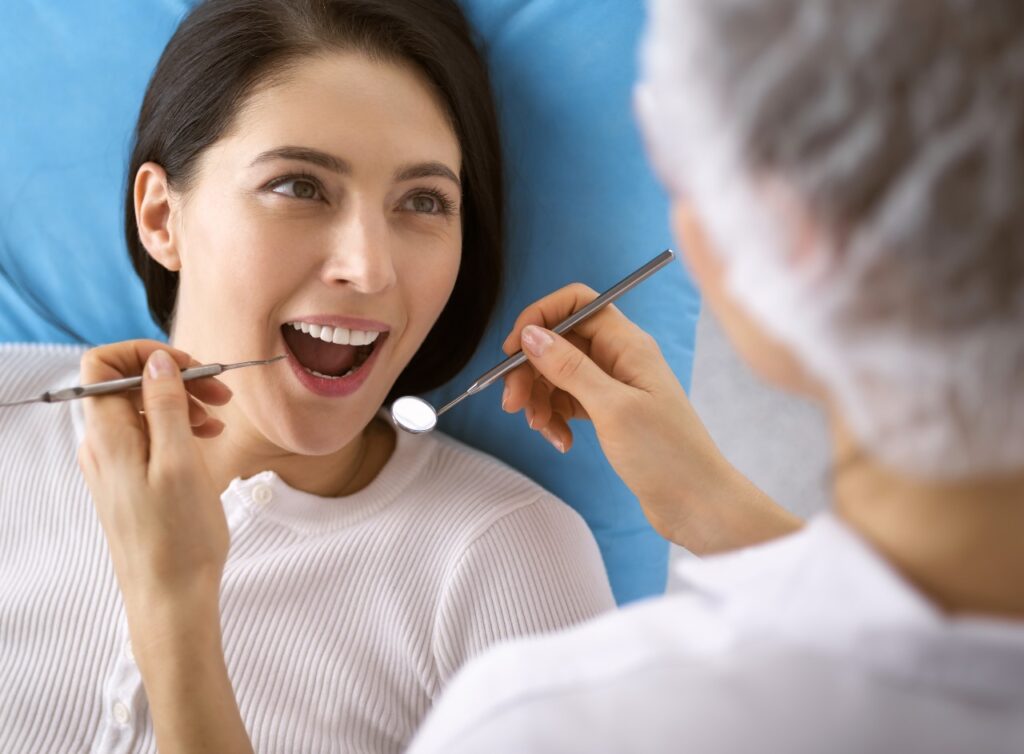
[313,353]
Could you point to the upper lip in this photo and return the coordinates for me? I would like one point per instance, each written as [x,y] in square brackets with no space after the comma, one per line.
[332,320]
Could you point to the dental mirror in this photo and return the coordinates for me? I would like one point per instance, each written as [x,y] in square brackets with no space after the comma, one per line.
[414,414]
[417,416]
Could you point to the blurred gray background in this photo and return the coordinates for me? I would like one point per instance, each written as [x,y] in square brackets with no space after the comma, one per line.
[779,441]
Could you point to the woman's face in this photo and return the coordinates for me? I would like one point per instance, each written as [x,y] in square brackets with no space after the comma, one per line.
[331,210]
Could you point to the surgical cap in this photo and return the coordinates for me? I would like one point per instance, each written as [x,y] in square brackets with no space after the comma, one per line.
[859,167]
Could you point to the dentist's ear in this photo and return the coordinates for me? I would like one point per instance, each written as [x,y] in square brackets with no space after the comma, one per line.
[153,215]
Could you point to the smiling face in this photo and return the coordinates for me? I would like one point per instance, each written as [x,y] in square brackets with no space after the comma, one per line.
[330,211]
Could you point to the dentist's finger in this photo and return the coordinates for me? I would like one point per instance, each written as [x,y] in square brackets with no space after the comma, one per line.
[538,410]
[113,428]
[197,415]
[569,369]
[203,425]
[608,339]
[107,415]
[197,412]
[557,432]
[555,307]
[126,359]
[166,405]
[211,428]
[209,390]
[607,325]
[519,383]
[563,404]
[518,386]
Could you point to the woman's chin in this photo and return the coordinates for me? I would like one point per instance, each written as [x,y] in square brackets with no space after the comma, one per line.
[319,436]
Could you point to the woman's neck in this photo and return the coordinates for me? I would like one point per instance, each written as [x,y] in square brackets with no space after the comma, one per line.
[958,542]
[345,472]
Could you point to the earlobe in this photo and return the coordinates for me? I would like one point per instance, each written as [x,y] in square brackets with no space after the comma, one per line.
[154,210]
[701,259]
[773,361]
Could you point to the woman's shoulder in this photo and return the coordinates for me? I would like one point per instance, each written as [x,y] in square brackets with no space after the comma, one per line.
[28,369]
[485,508]
[37,436]
[43,351]
[518,561]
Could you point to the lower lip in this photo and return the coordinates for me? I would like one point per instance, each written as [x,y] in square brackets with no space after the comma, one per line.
[339,386]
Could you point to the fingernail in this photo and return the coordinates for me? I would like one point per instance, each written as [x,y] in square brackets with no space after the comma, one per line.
[161,365]
[504,398]
[536,340]
[529,417]
[551,438]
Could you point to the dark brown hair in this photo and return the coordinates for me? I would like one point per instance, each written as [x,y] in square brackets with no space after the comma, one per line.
[225,48]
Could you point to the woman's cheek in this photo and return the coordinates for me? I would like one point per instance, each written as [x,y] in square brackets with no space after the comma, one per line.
[430,280]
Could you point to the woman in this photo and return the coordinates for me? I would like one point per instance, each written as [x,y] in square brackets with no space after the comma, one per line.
[320,180]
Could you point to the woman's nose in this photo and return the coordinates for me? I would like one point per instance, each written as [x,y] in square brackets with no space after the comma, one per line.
[361,254]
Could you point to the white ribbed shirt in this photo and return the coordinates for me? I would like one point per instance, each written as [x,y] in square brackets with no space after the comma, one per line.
[343,619]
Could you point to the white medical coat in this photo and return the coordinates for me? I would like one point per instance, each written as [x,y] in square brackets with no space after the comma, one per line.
[811,643]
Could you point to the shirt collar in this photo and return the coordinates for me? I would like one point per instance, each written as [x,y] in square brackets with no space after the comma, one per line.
[267,495]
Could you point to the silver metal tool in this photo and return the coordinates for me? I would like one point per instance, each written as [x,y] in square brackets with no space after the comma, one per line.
[415,415]
[131,383]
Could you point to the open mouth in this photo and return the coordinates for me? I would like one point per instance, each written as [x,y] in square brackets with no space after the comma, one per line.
[330,353]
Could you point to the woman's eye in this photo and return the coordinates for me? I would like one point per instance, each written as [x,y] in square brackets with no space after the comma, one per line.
[299,188]
[424,203]
[430,203]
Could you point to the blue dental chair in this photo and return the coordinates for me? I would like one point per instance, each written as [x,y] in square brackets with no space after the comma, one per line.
[583,206]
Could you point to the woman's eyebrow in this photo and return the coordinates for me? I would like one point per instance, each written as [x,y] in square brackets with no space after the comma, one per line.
[305,154]
[339,165]
[427,170]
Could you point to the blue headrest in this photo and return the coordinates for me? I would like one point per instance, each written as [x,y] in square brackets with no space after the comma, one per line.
[583,206]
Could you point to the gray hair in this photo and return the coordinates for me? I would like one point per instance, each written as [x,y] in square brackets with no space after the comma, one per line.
[896,127]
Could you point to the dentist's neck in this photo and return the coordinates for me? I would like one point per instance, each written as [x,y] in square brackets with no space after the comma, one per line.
[960,543]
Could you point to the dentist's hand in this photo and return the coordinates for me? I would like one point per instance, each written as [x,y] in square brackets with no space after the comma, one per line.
[158,506]
[611,372]
[168,537]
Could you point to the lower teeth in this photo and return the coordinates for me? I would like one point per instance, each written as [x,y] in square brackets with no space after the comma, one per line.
[330,376]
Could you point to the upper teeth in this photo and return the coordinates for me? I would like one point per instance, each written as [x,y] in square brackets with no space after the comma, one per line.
[343,336]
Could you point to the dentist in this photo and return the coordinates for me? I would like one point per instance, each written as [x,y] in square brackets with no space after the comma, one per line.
[848,183]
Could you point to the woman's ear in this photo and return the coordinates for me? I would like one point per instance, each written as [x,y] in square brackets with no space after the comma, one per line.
[154,213]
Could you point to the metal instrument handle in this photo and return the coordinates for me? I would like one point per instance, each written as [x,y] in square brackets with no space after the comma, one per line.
[519,358]
[124,383]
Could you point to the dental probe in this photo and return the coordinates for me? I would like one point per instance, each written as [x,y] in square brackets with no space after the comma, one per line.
[130,383]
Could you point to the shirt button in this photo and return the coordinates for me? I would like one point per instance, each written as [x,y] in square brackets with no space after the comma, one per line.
[121,713]
[262,494]
[128,651]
